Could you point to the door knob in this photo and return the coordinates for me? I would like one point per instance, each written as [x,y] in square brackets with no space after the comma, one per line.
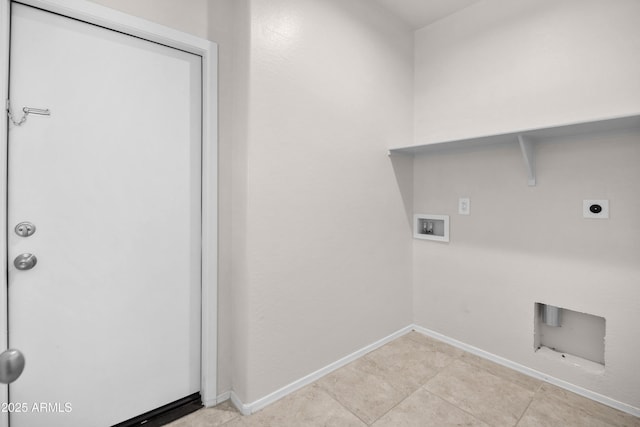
[11,365]
[25,261]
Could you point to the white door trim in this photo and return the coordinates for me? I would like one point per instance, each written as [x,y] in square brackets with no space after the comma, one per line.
[112,19]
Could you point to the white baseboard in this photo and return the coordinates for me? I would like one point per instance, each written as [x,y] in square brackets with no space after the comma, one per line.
[240,406]
[250,408]
[530,372]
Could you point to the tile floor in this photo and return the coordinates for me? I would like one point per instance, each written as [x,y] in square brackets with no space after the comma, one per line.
[418,381]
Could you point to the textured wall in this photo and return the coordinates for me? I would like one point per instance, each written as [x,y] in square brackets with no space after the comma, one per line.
[501,66]
[327,256]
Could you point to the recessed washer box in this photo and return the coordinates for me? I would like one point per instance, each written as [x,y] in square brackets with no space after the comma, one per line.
[431,227]
[572,336]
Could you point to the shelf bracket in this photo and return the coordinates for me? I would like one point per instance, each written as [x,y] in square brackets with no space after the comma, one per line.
[526,146]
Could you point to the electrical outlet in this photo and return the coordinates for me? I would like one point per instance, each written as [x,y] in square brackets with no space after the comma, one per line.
[464,206]
[596,209]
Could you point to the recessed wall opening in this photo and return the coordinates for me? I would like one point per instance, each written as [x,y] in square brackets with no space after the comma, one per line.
[569,333]
[431,227]
[434,227]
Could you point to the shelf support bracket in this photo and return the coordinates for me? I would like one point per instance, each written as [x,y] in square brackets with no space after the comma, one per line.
[526,146]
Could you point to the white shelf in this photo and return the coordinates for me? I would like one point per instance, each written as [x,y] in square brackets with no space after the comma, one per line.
[526,138]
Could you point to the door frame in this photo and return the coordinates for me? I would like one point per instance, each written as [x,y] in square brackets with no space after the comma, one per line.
[96,14]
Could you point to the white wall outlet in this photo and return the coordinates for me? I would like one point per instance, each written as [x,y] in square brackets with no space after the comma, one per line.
[597,209]
[464,206]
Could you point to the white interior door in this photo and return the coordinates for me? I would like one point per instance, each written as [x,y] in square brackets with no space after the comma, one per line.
[109,317]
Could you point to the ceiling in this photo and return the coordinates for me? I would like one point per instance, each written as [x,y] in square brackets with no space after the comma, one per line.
[420,13]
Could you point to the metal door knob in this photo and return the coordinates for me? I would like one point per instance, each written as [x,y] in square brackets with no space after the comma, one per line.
[11,365]
[25,261]
[25,229]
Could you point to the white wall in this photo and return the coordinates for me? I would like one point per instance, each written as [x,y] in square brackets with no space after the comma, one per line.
[500,66]
[326,254]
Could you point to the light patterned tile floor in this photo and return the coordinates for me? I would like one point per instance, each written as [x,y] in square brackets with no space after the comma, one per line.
[421,382]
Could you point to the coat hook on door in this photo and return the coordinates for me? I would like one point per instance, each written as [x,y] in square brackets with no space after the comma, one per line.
[26,111]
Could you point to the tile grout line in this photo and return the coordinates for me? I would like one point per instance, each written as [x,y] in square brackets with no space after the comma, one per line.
[502,377]
[475,417]
[421,386]
[575,407]
[578,408]
[537,392]
[527,408]
[453,360]
[366,356]
[396,405]
[390,385]
[339,403]
[595,397]
[453,404]
[490,373]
